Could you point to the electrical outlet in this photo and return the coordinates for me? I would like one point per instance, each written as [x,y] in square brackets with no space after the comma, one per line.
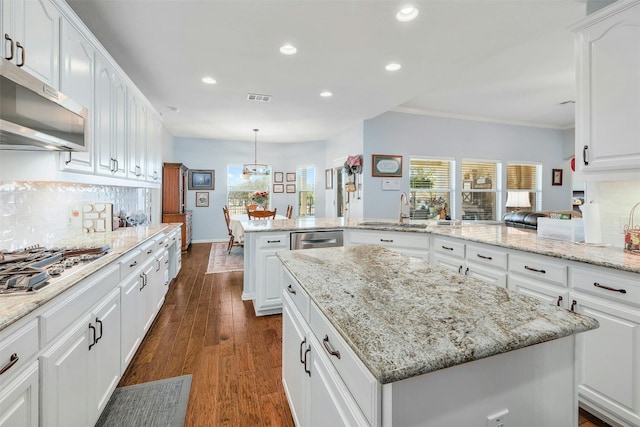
[499,419]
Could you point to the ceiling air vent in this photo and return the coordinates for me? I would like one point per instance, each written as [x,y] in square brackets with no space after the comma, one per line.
[259,98]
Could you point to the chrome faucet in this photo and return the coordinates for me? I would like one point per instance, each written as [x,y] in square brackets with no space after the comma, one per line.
[403,202]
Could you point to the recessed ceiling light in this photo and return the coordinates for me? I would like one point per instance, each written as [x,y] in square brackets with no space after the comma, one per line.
[326,94]
[406,14]
[393,67]
[209,80]
[288,49]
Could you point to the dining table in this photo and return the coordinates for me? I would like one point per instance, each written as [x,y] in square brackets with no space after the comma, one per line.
[236,226]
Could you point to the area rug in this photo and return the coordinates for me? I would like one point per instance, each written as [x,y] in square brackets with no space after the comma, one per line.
[220,262]
[156,403]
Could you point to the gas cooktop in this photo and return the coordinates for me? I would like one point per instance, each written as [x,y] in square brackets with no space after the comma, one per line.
[32,268]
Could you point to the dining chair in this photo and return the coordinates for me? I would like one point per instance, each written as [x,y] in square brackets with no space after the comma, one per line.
[289,211]
[227,219]
[262,214]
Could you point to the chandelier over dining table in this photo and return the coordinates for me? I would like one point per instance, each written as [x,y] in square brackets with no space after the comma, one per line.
[255,168]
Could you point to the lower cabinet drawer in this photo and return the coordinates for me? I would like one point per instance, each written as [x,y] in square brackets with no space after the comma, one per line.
[539,268]
[448,247]
[607,283]
[359,381]
[17,348]
[295,292]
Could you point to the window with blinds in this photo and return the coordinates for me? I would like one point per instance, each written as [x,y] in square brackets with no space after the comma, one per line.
[431,186]
[526,177]
[306,179]
[240,190]
[480,190]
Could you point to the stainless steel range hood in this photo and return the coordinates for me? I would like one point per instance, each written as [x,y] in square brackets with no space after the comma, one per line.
[35,116]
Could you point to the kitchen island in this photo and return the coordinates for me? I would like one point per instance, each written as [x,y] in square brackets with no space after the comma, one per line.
[420,345]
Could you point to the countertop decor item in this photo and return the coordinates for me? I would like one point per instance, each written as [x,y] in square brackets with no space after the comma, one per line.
[632,234]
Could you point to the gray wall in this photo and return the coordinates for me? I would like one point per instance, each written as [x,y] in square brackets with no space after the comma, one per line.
[208,222]
[415,135]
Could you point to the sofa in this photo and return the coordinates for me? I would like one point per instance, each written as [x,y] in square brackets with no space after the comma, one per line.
[529,219]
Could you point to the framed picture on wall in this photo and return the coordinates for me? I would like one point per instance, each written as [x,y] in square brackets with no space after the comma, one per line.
[202,199]
[278,176]
[291,177]
[201,179]
[278,188]
[328,179]
[291,188]
[388,166]
[556,177]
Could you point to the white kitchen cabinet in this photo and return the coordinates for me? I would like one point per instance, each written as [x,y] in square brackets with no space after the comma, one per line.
[488,264]
[31,37]
[267,273]
[175,253]
[412,244]
[550,294]
[108,121]
[314,389]
[136,137]
[148,290]
[19,375]
[154,148]
[19,399]
[82,368]
[608,83]
[131,333]
[608,363]
[76,81]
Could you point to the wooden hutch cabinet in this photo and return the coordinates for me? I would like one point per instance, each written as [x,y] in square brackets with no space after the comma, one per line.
[174,199]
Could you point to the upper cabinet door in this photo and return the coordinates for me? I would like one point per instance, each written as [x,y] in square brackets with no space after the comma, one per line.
[608,90]
[76,81]
[31,37]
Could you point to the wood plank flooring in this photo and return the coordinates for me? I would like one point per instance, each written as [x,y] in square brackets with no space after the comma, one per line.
[206,330]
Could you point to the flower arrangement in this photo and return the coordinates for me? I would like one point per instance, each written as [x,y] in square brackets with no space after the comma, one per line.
[260,197]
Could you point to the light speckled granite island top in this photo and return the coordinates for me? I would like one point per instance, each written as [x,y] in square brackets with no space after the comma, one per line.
[15,306]
[496,234]
[404,317]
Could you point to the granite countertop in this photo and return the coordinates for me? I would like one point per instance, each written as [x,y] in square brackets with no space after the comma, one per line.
[496,234]
[17,305]
[404,317]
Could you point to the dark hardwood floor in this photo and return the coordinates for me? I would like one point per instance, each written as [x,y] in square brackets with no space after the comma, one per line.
[206,330]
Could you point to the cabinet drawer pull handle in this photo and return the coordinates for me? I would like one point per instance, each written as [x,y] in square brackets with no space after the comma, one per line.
[526,267]
[308,350]
[10,40]
[484,257]
[166,261]
[133,264]
[273,241]
[93,328]
[447,248]
[466,272]
[12,360]
[573,305]
[584,155]
[387,240]
[460,270]
[559,300]
[304,341]
[149,251]
[19,46]
[291,290]
[325,343]
[598,285]
[100,323]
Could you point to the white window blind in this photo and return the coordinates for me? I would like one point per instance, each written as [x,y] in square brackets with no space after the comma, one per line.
[526,177]
[240,190]
[479,190]
[306,179]
[431,187]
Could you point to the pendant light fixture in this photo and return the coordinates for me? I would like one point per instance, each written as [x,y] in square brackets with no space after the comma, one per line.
[254,168]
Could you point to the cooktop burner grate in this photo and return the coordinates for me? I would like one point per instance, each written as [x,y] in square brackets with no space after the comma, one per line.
[32,268]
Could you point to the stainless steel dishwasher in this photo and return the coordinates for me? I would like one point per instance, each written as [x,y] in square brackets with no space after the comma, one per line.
[316,239]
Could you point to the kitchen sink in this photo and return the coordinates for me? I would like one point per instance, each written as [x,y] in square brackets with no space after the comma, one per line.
[392,224]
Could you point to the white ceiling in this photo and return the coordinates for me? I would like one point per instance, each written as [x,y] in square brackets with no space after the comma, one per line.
[507,61]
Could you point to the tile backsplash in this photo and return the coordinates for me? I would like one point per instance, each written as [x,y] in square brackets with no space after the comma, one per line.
[34,212]
[616,199]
